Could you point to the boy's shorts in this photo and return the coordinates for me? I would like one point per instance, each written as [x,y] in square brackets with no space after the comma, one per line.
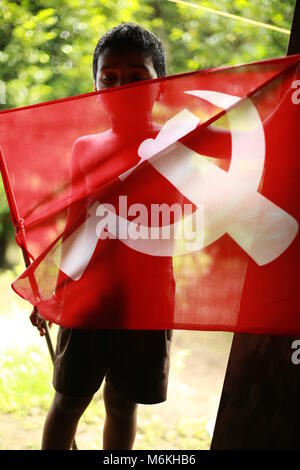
[135,362]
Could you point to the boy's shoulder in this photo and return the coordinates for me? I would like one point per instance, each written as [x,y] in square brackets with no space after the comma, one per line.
[92,141]
[88,147]
[91,149]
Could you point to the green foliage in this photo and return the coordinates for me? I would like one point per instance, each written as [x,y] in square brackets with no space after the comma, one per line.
[46,52]
[24,382]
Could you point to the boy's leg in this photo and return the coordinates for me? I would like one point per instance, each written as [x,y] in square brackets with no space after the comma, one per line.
[120,422]
[79,369]
[138,373]
[62,420]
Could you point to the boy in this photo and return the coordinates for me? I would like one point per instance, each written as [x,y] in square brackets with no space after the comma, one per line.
[135,363]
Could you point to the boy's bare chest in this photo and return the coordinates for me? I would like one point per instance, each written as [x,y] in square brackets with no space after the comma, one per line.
[107,160]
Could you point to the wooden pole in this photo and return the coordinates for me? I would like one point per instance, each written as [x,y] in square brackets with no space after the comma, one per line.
[294,43]
[260,402]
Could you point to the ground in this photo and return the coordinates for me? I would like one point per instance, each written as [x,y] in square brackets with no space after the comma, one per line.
[184,421]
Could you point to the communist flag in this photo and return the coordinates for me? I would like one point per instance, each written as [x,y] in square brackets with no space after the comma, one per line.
[168,203]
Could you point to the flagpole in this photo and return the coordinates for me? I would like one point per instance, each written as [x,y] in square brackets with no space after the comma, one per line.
[259,406]
[18,223]
[294,42]
[44,323]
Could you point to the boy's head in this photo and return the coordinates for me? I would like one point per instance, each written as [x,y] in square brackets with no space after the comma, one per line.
[125,54]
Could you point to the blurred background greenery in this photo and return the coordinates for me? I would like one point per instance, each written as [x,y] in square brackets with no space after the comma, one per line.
[46,52]
[46,46]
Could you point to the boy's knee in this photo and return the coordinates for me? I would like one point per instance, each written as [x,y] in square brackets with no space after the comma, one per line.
[70,406]
[116,405]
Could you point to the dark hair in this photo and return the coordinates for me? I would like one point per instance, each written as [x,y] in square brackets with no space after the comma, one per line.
[131,34]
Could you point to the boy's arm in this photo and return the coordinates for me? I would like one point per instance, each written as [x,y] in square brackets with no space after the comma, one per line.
[77,184]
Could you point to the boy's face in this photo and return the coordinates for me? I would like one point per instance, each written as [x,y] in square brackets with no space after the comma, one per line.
[120,66]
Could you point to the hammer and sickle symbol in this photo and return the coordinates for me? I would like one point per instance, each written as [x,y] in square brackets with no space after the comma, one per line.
[229,200]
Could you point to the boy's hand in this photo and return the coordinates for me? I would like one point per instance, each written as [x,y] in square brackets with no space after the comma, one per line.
[38,321]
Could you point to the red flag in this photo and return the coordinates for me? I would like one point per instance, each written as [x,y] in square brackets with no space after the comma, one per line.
[169,203]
